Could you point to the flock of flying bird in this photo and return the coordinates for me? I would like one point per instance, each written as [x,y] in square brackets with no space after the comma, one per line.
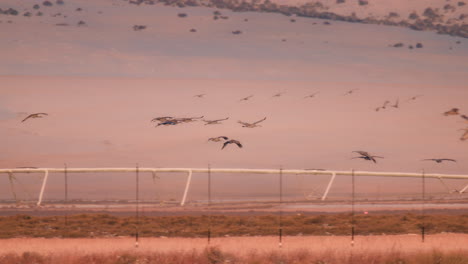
[171,121]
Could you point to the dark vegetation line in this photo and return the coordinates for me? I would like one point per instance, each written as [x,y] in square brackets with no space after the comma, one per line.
[105,225]
[429,20]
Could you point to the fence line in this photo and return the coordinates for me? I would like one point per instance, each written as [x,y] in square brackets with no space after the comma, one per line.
[189,172]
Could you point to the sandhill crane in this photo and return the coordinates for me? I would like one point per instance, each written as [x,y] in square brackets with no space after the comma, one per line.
[232,141]
[311,95]
[35,115]
[199,95]
[351,91]
[414,97]
[187,119]
[214,122]
[440,160]
[251,125]
[383,106]
[168,123]
[453,111]
[246,98]
[366,156]
[218,139]
[162,119]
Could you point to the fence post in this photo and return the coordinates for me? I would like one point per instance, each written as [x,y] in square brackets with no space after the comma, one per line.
[44,182]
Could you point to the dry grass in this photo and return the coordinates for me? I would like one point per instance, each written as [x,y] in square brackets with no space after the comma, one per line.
[442,248]
[104,225]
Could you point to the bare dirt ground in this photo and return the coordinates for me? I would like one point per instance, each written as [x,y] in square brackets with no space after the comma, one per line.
[405,244]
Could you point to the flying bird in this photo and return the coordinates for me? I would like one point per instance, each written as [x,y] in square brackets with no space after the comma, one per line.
[414,97]
[162,119]
[251,125]
[232,141]
[465,117]
[187,119]
[214,122]
[311,95]
[383,106]
[218,139]
[350,91]
[440,160]
[453,111]
[168,123]
[246,98]
[199,95]
[35,115]
[366,156]
[278,94]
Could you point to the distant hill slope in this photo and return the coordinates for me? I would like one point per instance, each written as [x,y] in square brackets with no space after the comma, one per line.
[442,16]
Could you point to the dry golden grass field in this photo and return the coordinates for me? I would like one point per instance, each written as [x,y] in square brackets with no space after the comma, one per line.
[440,248]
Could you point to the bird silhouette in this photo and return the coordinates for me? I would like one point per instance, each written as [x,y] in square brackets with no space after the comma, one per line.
[414,97]
[199,95]
[168,123]
[440,160]
[383,106]
[187,119]
[246,98]
[366,156]
[453,111]
[311,95]
[351,91]
[232,141]
[278,94]
[35,115]
[465,117]
[251,125]
[214,122]
[162,119]
[218,139]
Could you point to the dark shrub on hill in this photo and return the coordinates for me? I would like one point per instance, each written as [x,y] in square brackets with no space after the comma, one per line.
[461,3]
[398,45]
[413,15]
[430,13]
[138,27]
[46,3]
[36,6]
[340,1]
[236,32]
[193,30]
[59,2]
[81,23]
[182,15]
[419,45]
[393,14]
[27,14]
[363,2]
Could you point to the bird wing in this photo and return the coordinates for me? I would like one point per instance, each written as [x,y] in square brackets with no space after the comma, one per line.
[217,120]
[259,121]
[225,144]
[29,116]
[243,123]
[238,143]
[449,160]
[363,153]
